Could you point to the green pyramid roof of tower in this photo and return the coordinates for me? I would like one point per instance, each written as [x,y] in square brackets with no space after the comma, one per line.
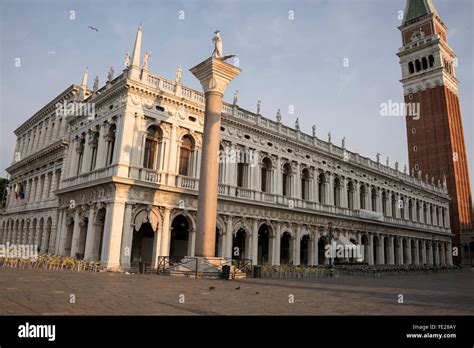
[418,8]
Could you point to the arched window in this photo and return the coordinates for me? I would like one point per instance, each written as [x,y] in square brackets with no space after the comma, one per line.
[401,205]
[80,154]
[151,148]
[286,177]
[305,184]
[242,167]
[431,61]
[322,188]
[424,62]
[266,175]
[410,210]
[394,206]
[110,141]
[373,198]
[417,65]
[94,143]
[417,207]
[411,68]
[431,215]
[443,213]
[337,192]
[222,163]
[425,213]
[350,195]
[384,203]
[185,156]
[362,196]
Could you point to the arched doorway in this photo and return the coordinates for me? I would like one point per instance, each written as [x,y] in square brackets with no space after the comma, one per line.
[322,251]
[142,245]
[179,237]
[285,250]
[263,245]
[304,250]
[398,259]
[98,235]
[375,250]
[238,245]
[386,244]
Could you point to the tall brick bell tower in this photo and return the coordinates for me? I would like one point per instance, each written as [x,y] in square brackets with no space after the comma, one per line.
[435,139]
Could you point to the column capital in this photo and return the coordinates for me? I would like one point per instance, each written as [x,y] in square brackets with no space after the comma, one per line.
[214,74]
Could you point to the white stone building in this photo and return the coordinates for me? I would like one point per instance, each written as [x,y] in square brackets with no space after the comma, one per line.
[121,185]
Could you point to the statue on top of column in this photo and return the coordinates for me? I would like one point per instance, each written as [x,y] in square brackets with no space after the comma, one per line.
[218,48]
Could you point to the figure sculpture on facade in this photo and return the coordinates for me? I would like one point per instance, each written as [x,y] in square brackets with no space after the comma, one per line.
[110,74]
[329,137]
[377,156]
[145,60]
[259,104]
[343,143]
[278,116]
[396,165]
[95,87]
[314,130]
[297,124]
[236,97]
[126,60]
[179,72]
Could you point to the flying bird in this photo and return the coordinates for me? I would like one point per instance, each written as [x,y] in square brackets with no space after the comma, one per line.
[92,28]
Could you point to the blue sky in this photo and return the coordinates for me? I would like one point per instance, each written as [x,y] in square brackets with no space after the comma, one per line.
[285,62]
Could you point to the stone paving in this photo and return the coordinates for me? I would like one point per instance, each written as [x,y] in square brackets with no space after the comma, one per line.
[42,292]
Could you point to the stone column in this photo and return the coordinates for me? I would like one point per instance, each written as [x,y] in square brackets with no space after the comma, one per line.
[90,234]
[297,247]
[382,255]
[101,147]
[214,76]
[371,249]
[127,238]
[423,252]
[254,242]
[417,253]
[276,251]
[229,238]
[443,254]
[166,233]
[392,251]
[112,234]
[316,248]
[53,186]
[87,156]
[449,254]
[76,232]
[409,247]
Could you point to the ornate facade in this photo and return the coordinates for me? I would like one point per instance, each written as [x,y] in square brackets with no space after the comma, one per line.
[120,186]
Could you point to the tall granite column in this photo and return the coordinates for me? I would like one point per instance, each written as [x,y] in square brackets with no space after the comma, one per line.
[214,75]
